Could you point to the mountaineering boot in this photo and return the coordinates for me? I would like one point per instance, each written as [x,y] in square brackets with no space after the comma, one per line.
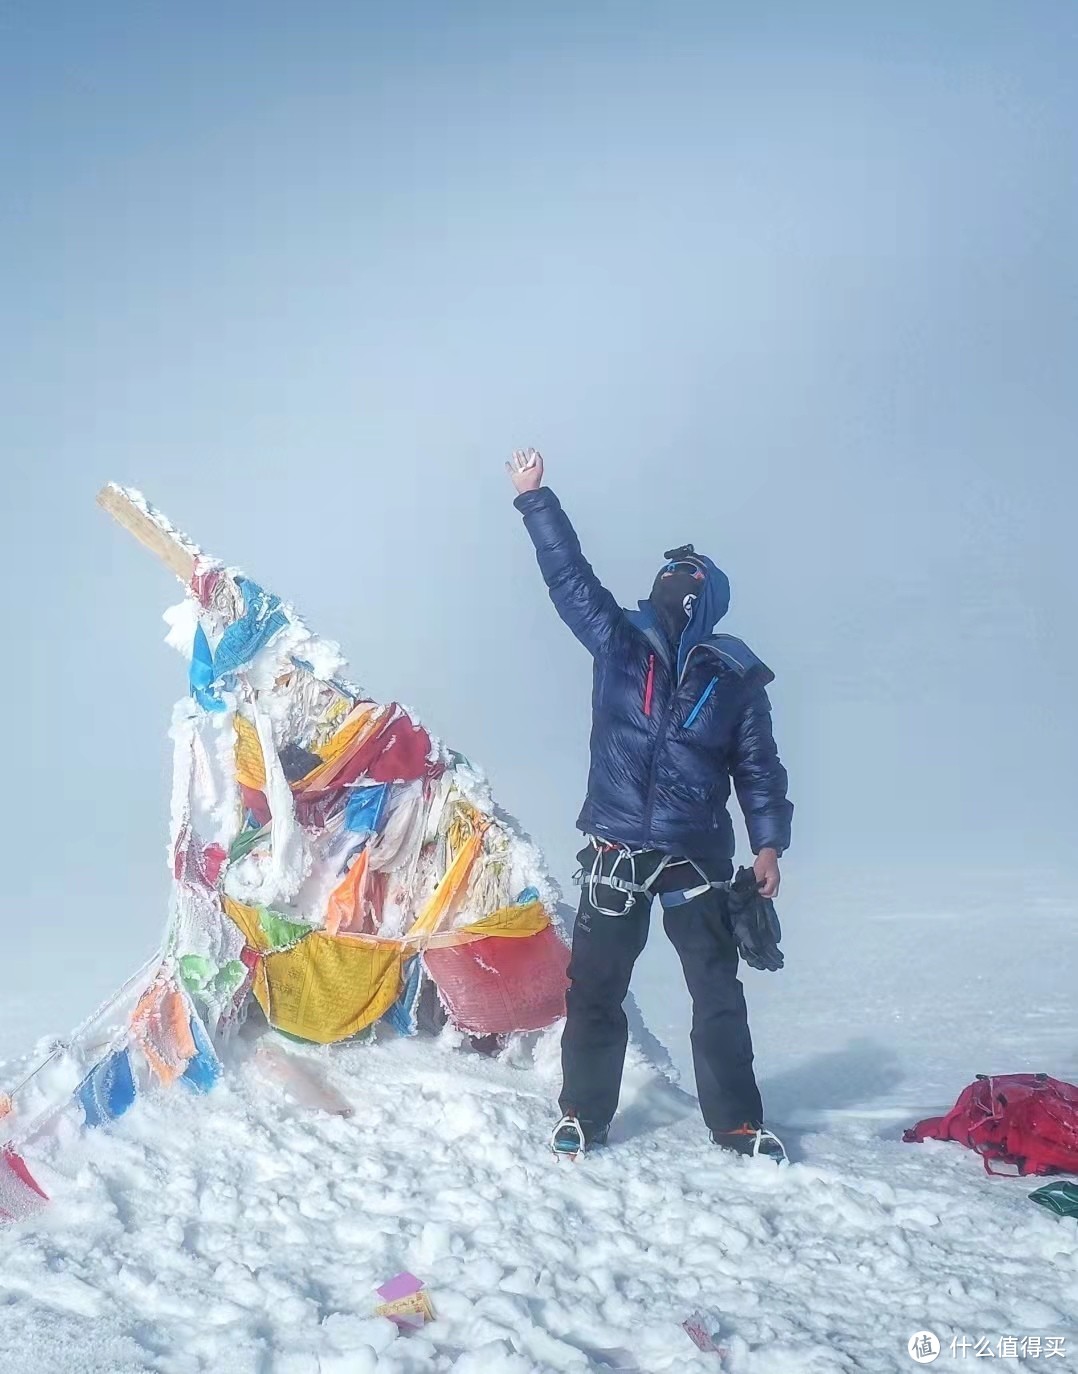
[752,1141]
[572,1137]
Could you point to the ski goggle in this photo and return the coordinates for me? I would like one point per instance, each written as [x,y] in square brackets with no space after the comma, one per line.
[681,565]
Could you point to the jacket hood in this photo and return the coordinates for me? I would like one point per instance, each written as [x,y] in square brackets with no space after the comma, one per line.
[711,605]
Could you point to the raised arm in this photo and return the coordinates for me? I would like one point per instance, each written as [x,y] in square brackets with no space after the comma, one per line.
[760,782]
[579,597]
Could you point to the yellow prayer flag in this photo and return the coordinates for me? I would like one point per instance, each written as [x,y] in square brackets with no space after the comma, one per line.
[328,987]
[250,763]
[446,895]
[511,922]
[246,917]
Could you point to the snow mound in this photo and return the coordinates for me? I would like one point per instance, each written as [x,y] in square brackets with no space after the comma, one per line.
[249,1235]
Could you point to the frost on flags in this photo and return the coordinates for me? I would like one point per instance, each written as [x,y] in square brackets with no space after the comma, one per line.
[331,862]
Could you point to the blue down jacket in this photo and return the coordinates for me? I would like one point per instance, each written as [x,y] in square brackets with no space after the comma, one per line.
[669,733]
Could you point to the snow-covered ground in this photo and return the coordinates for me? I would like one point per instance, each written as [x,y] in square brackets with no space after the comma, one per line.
[245,1233]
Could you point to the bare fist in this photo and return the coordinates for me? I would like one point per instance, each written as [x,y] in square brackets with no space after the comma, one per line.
[525,469]
[766,868]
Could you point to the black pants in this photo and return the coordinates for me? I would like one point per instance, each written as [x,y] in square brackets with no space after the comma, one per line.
[605,948]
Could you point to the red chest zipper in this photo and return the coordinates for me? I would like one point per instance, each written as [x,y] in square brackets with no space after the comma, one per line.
[649,685]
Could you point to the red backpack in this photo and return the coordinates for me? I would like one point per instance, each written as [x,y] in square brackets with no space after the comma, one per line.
[1025,1121]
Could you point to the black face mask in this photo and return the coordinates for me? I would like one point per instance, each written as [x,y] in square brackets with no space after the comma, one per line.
[672,596]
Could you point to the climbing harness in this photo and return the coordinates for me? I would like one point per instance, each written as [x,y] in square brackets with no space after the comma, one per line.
[625,863]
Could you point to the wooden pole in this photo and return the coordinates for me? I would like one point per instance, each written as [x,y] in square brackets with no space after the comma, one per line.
[173,549]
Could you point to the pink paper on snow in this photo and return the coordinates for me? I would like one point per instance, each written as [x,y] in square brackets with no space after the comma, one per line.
[403,1286]
[698,1333]
[406,1302]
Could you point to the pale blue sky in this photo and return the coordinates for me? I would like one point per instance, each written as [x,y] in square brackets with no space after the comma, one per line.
[795,282]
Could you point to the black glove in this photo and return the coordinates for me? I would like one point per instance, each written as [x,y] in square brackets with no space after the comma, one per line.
[754,923]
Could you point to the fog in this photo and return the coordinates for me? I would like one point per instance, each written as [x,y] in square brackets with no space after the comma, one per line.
[795,283]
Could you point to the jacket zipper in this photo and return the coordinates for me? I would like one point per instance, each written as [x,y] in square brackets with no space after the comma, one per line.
[701,703]
[649,685]
[660,740]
